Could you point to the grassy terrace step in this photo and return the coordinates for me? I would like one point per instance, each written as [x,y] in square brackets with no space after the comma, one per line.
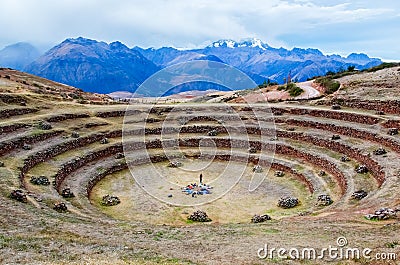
[53,151]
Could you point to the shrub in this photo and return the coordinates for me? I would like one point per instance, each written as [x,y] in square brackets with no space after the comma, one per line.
[328,83]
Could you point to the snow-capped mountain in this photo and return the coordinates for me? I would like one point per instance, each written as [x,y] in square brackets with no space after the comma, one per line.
[100,67]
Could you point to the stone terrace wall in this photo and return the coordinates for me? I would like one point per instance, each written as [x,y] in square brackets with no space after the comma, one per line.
[67,116]
[7,146]
[4,114]
[387,106]
[13,127]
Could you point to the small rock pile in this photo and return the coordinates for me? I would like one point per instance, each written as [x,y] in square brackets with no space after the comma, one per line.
[75,135]
[1,164]
[67,193]
[344,159]
[213,133]
[380,151]
[60,207]
[279,173]
[27,147]
[104,141]
[42,180]
[322,173]
[252,150]
[199,216]
[393,131]
[288,202]
[175,164]
[335,137]
[257,169]
[45,125]
[383,214]
[109,200]
[336,107]
[260,218]
[324,200]
[119,156]
[362,169]
[19,195]
[358,195]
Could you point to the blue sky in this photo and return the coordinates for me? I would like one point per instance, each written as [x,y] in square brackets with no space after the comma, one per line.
[333,26]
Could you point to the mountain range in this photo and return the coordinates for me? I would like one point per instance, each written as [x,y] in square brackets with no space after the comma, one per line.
[104,68]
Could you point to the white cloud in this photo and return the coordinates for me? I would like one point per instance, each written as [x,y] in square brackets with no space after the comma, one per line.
[180,23]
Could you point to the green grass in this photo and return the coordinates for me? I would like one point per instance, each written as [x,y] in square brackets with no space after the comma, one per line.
[328,83]
[292,89]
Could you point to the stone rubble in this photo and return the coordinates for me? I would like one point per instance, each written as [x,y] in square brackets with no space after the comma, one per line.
[252,150]
[199,216]
[175,164]
[1,164]
[75,135]
[260,218]
[324,200]
[104,141]
[257,169]
[212,133]
[380,151]
[344,159]
[393,131]
[383,214]
[359,194]
[335,137]
[45,125]
[119,156]
[27,147]
[67,193]
[279,173]
[362,169]
[288,202]
[19,195]
[60,207]
[109,200]
[42,180]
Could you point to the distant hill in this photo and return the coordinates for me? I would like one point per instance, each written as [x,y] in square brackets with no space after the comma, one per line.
[94,66]
[105,68]
[18,56]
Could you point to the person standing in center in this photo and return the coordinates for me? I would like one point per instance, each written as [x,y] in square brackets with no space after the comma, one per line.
[201,178]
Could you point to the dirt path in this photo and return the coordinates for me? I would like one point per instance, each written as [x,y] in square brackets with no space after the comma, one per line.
[309,91]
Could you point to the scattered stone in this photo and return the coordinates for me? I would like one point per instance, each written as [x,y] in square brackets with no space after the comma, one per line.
[60,207]
[279,173]
[45,125]
[1,164]
[42,180]
[104,141]
[291,129]
[257,169]
[335,137]
[380,151]
[358,195]
[306,213]
[382,214]
[362,169]
[119,156]
[252,150]
[322,173]
[109,200]
[19,195]
[324,200]
[75,135]
[260,218]
[379,112]
[27,147]
[336,107]
[169,195]
[344,158]
[175,164]
[22,103]
[199,216]
[213,133]
[288,202]
[393,131]
[67,193]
